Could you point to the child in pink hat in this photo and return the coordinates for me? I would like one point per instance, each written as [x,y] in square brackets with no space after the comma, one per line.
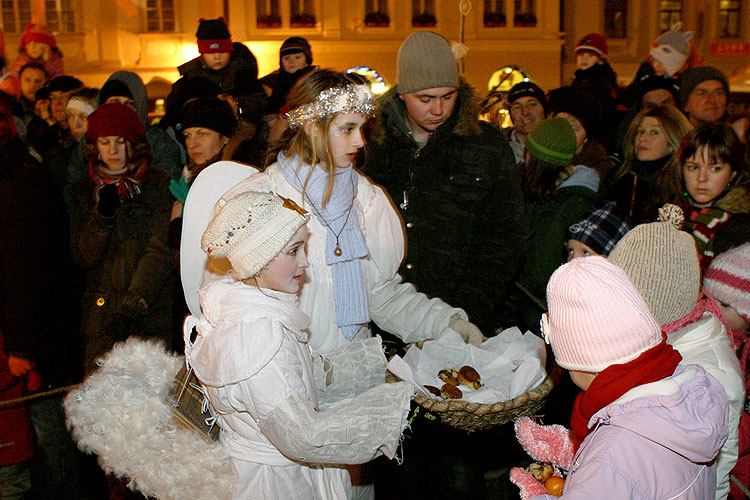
[647,426]
[38,44]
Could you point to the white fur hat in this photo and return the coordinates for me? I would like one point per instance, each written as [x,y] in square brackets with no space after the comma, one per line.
[672,49]
[251,229]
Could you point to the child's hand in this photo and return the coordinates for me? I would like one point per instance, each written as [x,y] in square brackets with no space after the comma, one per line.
[41,109]
[526,482]
[546,443]
[18,366]
[468,331]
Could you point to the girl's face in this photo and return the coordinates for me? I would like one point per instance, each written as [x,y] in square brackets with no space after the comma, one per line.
[732,317]
[577,249]
[115,152]
[577,128]
[286,271]
[203,144]
[650,140]
[345,134]
[659,68]
[705,179]
[582,379]
[293,62]
[36,50]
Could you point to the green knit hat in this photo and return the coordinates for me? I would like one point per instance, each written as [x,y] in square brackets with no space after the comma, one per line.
[552,141]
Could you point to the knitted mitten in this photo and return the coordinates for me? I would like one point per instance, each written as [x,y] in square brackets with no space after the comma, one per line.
[546,443]
[526,482]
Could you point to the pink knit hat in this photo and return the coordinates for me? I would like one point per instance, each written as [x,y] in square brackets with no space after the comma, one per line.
[597,317]
[727,279]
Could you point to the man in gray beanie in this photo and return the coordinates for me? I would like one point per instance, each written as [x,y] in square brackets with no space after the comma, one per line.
[454,180]
[704,92]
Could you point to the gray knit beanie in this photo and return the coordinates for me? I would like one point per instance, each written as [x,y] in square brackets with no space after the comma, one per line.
[691,77]
[662,262]
[425,61]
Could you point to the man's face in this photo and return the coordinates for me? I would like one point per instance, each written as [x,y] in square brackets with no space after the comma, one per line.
[707,102]
[429,108]
[32,79]
[58,100]
[526,112]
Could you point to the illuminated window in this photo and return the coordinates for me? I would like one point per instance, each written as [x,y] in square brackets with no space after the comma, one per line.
[729,18]
[376,13]
[160,15]
[302,14]
[58,15]
[525,13]
[615,18]
[268,13]
[670,13]
[16,15]
[423,13]
[494,13]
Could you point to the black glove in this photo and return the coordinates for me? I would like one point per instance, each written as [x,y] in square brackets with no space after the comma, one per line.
[109,200]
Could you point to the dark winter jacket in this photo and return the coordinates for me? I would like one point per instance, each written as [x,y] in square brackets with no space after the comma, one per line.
[635,192]
[38,285]
[128,264]
[463,220]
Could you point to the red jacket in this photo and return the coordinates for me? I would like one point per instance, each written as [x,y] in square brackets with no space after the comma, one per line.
[16,434]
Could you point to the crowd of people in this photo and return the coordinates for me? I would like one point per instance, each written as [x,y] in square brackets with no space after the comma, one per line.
[275,230]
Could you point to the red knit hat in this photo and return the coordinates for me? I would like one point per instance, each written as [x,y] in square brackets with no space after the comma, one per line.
[115,119]
[213,36]
[38,33]
[594,43]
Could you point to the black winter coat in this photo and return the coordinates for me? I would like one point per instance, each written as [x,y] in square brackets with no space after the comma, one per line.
[463,219]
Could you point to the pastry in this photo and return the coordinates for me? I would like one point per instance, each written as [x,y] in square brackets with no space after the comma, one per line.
[434,390]
[449,376]
[449,391]
[541,471]
[469,377]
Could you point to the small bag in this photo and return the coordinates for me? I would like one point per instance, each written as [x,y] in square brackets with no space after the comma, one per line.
[191,407]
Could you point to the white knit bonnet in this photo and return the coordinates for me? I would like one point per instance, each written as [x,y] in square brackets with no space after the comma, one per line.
[251,229]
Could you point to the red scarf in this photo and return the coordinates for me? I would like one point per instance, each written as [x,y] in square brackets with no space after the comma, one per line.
[652,365]
[128,184]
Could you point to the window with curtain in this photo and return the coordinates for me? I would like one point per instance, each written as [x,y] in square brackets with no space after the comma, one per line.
[494,13]
[423,13]
[615,18]
[59,16]
[729,18]
[302,14]
[268,13]
[525,13]
[376,13]
[16,15]
[670,13]
[160,15]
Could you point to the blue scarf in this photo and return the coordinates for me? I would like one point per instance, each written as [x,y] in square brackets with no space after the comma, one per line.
[340,218]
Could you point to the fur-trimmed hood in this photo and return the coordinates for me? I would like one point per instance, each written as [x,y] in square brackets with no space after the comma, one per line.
[736,201]
[390,112]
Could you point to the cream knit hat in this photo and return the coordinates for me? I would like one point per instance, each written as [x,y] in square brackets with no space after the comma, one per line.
[597,318]
[663,264]
[251,229]
[425,61]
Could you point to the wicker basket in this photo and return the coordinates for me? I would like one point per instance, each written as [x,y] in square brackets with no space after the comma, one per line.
[468,416]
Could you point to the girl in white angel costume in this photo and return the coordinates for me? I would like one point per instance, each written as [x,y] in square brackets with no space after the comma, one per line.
[249,350]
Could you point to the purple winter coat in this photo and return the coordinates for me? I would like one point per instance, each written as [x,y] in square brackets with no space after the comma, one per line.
[657,441]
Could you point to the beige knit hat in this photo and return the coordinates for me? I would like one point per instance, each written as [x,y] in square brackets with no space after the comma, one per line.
[662,262]
[251,229]
[425,61]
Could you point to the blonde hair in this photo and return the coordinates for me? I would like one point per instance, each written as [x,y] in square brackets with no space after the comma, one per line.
[311,142]
[671,121]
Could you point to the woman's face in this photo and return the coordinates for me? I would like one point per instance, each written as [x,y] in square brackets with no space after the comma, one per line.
[78,122]
[577,128]
[203,144]
[345,133]
[650,140]
[115,152]
[705,179]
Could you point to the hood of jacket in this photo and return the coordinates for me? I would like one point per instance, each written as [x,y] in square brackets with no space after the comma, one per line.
[390,112]
[736,201]
[686,413]
[137,89]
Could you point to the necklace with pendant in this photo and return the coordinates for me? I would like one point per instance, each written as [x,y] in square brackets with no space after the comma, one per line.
[336,251]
